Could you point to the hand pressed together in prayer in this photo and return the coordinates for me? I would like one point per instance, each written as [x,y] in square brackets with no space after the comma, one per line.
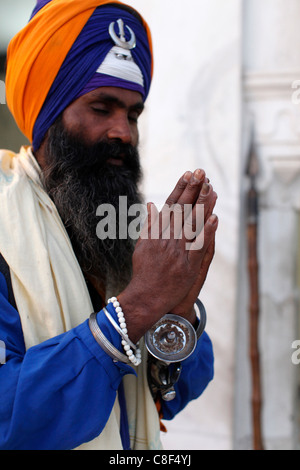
[170,270]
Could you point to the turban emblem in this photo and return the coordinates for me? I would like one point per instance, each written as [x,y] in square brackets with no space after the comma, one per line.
[121,41]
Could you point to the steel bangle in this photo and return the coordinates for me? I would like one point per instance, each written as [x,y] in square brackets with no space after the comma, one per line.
[103,342]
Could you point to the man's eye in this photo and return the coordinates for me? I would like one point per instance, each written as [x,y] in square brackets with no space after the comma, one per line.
[133,117]
[100,110]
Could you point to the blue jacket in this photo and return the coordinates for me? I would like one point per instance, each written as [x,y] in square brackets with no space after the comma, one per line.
[60,393]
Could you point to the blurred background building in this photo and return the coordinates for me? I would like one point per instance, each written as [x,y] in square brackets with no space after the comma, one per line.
[226,80]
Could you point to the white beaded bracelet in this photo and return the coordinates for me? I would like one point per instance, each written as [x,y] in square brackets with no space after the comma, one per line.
[116,326]
[126,343]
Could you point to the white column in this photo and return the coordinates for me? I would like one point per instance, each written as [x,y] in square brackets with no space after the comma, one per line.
[271,66]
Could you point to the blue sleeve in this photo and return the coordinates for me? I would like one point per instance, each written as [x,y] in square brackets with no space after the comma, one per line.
[58,394]
[197,372]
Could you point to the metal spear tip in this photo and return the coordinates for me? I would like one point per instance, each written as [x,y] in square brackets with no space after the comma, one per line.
[252,167]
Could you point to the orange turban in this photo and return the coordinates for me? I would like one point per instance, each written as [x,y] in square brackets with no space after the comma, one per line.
[36,54]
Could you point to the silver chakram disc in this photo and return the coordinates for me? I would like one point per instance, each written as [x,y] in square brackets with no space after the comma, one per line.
[171,339]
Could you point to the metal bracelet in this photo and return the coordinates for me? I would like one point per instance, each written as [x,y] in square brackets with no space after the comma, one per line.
[103,342]
[119,330]
[201,314]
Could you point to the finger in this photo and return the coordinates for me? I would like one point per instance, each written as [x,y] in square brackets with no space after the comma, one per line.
[199,246]
[181,210]
[179,188]
[164,221]
[170,204]
[185,193]
[151,226]
[205,265]
[171,221]
[192,189]
[165,214]
[176,221]
[208,197]
[208,257]
[207,201]
[193,222]
[202,210]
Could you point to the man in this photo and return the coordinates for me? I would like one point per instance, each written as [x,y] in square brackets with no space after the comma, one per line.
[78,75]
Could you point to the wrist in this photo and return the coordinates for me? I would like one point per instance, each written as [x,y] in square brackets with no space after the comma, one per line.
[140,312]
[192,317]
[196,316]
[189,315]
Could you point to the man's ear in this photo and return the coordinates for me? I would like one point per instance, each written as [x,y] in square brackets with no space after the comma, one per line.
[40,153]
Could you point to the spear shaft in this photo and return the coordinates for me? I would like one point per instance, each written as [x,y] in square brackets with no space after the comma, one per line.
[253,273]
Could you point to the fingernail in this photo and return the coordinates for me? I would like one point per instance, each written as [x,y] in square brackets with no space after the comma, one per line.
[213,219]
[204,189]
[198,175]
[187,176]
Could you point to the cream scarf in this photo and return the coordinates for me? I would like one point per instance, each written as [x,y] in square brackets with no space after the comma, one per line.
[50,291]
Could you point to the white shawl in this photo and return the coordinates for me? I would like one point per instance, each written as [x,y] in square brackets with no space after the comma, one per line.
[49,288]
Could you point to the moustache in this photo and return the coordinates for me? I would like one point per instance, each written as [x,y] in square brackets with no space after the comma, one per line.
[70,156]
[97,156]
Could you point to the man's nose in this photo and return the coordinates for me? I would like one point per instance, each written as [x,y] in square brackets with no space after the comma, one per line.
[120,130]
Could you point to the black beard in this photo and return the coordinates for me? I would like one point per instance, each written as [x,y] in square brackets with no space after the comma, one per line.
[78,179]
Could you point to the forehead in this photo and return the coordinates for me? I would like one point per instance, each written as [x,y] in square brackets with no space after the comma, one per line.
[119,96]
